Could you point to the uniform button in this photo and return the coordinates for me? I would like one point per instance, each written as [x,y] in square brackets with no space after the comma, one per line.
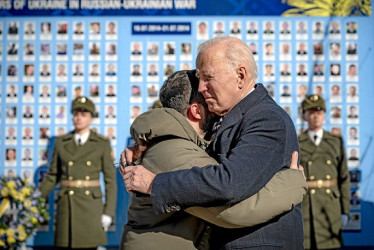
[87,177]
[167,209]
[178,208]
[311,177]
[312,191]
[87,192]
[88,163]
[328,191]
[70,163]
[173,208]
[70,178]
[309,163]
[328,177]
[71,192]
[328,162]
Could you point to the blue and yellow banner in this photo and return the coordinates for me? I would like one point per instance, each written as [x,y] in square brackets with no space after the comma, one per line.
[185,7]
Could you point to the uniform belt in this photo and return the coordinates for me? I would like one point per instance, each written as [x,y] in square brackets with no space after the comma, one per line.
[322,183]
[80,183]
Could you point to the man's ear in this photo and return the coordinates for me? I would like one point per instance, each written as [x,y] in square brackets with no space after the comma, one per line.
[194,112]
[242,75]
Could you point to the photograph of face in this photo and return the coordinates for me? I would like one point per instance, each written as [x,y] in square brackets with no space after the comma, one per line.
[268,28]
[111,92]
[29,70]
[152,48]
[111,28]
[235,27]
[252,27]
[136,49]
[10,154]
[29,49]
[335,69]
[111,69]
[27,133]
[95,28]
[78,28]
[61,112]
[12,70]
[301,27]
[152,70]
[45,49]
[318,48]
[351,27]
[13,28]
[45,28]
[45,69]
[11,112]
[11,134]
[62,28]
[219,28]
[334,27]
[285,28]
[28,91]
[12,49]
[202,29]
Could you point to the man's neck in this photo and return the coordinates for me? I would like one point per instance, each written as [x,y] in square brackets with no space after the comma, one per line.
[82,131]
[315,130]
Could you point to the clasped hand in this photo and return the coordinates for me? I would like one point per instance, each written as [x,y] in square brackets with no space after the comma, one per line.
[136,178]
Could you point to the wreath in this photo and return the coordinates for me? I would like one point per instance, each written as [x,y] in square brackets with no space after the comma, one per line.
[22,210]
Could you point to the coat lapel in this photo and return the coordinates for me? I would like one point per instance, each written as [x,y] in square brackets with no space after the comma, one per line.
[86,148]
[69,144]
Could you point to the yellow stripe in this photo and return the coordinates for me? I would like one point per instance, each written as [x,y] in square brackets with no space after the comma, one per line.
[3,206]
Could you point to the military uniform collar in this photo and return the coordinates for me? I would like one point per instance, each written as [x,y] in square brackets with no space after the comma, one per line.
[83,138]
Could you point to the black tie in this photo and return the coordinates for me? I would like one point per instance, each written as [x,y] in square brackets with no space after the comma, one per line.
[79,142]
[315,138]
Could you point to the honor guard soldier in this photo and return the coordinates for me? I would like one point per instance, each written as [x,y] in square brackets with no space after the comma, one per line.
[326,204]
[78,159]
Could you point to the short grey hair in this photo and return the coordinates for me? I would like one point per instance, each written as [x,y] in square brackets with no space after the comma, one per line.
[179,90]
[234,54]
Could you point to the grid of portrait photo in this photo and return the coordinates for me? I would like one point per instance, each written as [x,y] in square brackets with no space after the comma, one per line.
[47,65]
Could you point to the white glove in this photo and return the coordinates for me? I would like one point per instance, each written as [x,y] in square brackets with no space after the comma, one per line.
[344,219]
[106,221]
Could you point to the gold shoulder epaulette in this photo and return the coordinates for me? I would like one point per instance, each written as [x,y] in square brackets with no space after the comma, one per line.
[102,137]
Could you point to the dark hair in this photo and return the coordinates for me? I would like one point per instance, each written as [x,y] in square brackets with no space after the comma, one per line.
[179,90]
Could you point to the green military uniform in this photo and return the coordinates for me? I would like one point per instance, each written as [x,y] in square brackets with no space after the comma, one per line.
[328,182]
[79,201]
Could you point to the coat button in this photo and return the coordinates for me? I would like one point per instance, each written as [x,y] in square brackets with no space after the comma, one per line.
[309,163]
[311,177]
[312,191]
[70,178]
[71,192]
[178,208]
[167,209]
[328,191]
[87,177]
[328,162]
[70,163]
[88,163]
[328,177]
[87,192]
[173,208]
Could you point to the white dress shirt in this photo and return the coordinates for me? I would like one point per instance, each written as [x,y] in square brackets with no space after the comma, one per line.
[83,138]
[316,137]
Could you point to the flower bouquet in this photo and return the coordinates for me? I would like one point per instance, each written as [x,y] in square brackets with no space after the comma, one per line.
[22,210]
